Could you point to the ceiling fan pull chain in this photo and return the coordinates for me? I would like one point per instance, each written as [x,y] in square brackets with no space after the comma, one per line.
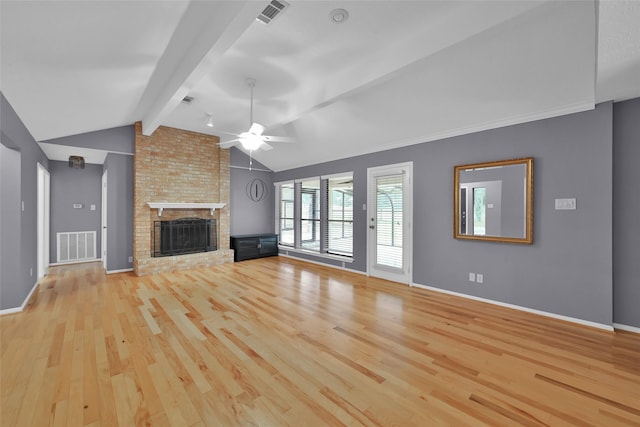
[250,159]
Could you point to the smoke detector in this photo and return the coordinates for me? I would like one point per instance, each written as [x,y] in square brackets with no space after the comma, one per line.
[273,9]
[338,16]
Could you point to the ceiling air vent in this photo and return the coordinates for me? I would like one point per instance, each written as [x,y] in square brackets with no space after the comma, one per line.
[273,9]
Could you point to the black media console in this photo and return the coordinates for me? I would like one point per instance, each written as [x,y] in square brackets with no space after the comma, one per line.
[254,246]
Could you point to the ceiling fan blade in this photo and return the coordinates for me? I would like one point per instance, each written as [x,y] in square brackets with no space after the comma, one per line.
[277,138]
[265,147]
[229,144]
[256,129]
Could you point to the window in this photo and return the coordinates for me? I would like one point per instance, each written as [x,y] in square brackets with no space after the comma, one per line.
[340,215]
[286,219]
[316,214]
[310,214]
[479,210]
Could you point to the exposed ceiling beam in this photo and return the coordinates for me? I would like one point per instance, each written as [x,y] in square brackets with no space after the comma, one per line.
[205,32]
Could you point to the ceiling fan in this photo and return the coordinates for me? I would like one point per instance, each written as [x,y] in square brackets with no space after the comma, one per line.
[253,139]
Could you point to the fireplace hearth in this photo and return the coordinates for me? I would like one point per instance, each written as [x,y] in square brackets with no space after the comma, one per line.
[184,236]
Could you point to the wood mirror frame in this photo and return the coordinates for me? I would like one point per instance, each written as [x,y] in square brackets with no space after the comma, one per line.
[510,218]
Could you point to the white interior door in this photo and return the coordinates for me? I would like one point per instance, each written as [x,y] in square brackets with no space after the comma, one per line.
[103,251]
[389,222]
[44,188]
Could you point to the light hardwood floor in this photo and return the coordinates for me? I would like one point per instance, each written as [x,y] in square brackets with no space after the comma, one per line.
[277,342]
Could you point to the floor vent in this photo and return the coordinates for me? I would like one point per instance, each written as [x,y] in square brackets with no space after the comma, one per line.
[76,246]
[273,9]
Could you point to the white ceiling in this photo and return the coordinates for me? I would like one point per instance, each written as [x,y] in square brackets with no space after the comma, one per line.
[63,152]
[395,73]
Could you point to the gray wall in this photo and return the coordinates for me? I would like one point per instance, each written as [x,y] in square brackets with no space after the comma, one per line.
[19,277]
[626,208]
[119,188]
[568,269]
[119,211]
[70,186]
[248,216]
[9,220]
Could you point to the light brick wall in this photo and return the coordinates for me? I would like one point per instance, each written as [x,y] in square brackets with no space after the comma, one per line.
[174,165]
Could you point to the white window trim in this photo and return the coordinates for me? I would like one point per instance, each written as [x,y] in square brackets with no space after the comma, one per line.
[338,175]
[311,178]
[277,185]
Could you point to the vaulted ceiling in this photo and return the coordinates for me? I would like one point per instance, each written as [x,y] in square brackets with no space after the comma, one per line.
[393,73]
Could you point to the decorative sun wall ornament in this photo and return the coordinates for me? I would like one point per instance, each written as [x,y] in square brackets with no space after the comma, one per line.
[257,189]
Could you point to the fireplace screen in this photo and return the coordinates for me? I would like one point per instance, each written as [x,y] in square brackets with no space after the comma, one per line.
[184,236]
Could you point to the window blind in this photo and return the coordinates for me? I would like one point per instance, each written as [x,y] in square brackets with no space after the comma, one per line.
[310,214]
[389,220]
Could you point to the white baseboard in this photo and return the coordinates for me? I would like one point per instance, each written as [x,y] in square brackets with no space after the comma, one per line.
[626,328]
[24,304]
[521,308]
[124,270]
[323,264]
[54,264]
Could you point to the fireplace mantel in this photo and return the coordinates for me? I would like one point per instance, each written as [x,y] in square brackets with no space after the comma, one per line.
[164,205]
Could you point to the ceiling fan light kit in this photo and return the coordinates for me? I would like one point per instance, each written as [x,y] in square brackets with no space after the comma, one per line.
[253,139]
[250,141]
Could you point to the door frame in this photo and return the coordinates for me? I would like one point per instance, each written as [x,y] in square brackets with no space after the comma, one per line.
[43,227]
[103,234]
[406,275]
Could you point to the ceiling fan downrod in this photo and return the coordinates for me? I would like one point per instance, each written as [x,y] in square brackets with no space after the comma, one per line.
[252,83]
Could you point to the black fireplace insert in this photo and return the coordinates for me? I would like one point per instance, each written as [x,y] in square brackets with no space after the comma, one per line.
[184,236]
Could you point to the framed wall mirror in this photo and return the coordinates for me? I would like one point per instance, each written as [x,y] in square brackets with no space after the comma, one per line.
[493,201]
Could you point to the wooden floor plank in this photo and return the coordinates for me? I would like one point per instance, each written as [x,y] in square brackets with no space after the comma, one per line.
[280,342]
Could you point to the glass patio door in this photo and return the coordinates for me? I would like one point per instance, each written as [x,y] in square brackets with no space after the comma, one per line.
[389,222]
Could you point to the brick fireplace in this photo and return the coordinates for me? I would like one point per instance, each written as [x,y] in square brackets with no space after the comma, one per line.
[178,166]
